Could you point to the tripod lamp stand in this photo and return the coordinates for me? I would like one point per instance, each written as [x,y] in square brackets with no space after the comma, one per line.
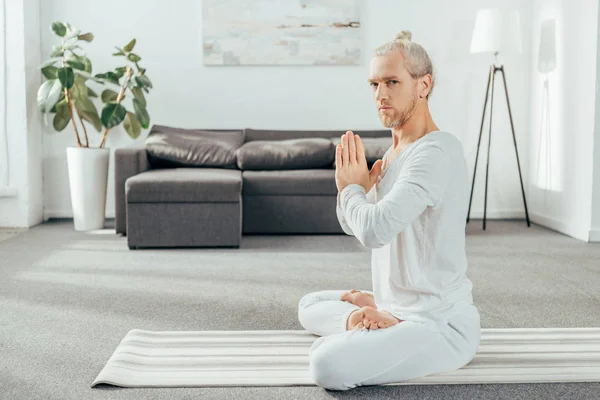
[496,31]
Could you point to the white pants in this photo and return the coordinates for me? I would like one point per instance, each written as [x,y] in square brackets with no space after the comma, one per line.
[342,360]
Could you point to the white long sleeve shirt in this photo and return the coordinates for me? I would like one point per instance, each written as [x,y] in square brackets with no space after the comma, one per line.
[414,222]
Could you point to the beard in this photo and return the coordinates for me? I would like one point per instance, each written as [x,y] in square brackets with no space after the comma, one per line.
[398,118]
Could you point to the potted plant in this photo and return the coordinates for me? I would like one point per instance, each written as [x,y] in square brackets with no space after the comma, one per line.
[66,95]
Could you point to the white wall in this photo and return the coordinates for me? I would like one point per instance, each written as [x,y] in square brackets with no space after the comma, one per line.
[187,94]
[595,225]
[22,121]
[561,198]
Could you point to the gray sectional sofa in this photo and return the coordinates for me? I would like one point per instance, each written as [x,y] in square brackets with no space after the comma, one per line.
[206,188]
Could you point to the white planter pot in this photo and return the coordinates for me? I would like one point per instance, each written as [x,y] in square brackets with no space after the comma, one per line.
[88,178]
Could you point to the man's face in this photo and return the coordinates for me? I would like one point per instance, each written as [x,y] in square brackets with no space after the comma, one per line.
[394,90]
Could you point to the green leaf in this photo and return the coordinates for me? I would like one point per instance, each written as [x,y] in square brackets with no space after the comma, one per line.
[133,57]
[88,37]
[139,95]
[129,46]
[72,47]
[143,81]
[120,71]
[85,75]
[109,76]
[120,52]
[57,51]
[79,89]
[79,55]
[141,113]
[132,126]
[109,95]
[76,64]
[113,114]
[73,34]
[53,109]
[66,77]
[88,64]
[91,93]
[48,94]
[49,72]
[51,61]
[62,117]
[88,112]
[59,29]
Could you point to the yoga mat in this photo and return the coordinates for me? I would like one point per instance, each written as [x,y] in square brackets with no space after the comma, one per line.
[280,358]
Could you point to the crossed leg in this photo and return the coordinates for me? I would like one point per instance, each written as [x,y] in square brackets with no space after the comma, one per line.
[342,359]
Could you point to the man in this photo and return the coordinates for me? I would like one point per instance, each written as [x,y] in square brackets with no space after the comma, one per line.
[410,209]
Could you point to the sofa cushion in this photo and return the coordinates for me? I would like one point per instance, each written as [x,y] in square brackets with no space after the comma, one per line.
[304,153]
[292,182]
[375,148]
[281,134]
[185,185]
[170,147]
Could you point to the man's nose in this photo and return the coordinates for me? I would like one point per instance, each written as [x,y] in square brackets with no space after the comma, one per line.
[381,93]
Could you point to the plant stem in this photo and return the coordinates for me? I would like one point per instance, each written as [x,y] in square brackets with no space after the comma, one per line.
[120,97]
[69,105]
[68,99]
[87,141]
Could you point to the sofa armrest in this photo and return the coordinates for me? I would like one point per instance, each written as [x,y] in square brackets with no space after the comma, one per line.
[129,161]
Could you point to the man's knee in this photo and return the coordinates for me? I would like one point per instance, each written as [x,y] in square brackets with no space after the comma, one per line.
[310,299]
[306,301]
[326,371]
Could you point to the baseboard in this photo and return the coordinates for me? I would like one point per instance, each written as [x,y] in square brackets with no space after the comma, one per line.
[559,226]
[8,191]
[68,214]
[475,214]
[594,235]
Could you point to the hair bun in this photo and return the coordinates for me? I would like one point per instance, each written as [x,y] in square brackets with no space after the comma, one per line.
[403,35]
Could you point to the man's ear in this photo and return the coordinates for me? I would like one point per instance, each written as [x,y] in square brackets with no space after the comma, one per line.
[425,85]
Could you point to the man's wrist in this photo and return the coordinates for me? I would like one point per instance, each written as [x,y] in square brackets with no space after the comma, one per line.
[342,194]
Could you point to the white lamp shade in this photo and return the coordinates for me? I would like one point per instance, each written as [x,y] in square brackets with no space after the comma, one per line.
[497,31]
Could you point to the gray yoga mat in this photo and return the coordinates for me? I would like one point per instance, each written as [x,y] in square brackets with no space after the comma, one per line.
[280,358]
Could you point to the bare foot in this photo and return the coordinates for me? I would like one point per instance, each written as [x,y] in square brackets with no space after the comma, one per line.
[370,318]
[359,298]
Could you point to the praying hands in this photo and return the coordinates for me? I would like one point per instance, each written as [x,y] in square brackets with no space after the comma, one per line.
[351,164]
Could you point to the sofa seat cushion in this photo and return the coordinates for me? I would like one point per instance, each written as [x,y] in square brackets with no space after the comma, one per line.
[185,185]
[293,182]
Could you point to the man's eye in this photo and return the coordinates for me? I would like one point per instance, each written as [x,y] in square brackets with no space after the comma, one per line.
[394,81]
[373,84]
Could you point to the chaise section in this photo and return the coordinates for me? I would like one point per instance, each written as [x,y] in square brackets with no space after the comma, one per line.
[184,207]
[128,162]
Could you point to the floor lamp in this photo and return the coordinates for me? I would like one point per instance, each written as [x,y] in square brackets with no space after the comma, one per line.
[496,31]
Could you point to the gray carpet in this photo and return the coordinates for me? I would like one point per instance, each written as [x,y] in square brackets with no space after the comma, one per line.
[67,299]
[7,233]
